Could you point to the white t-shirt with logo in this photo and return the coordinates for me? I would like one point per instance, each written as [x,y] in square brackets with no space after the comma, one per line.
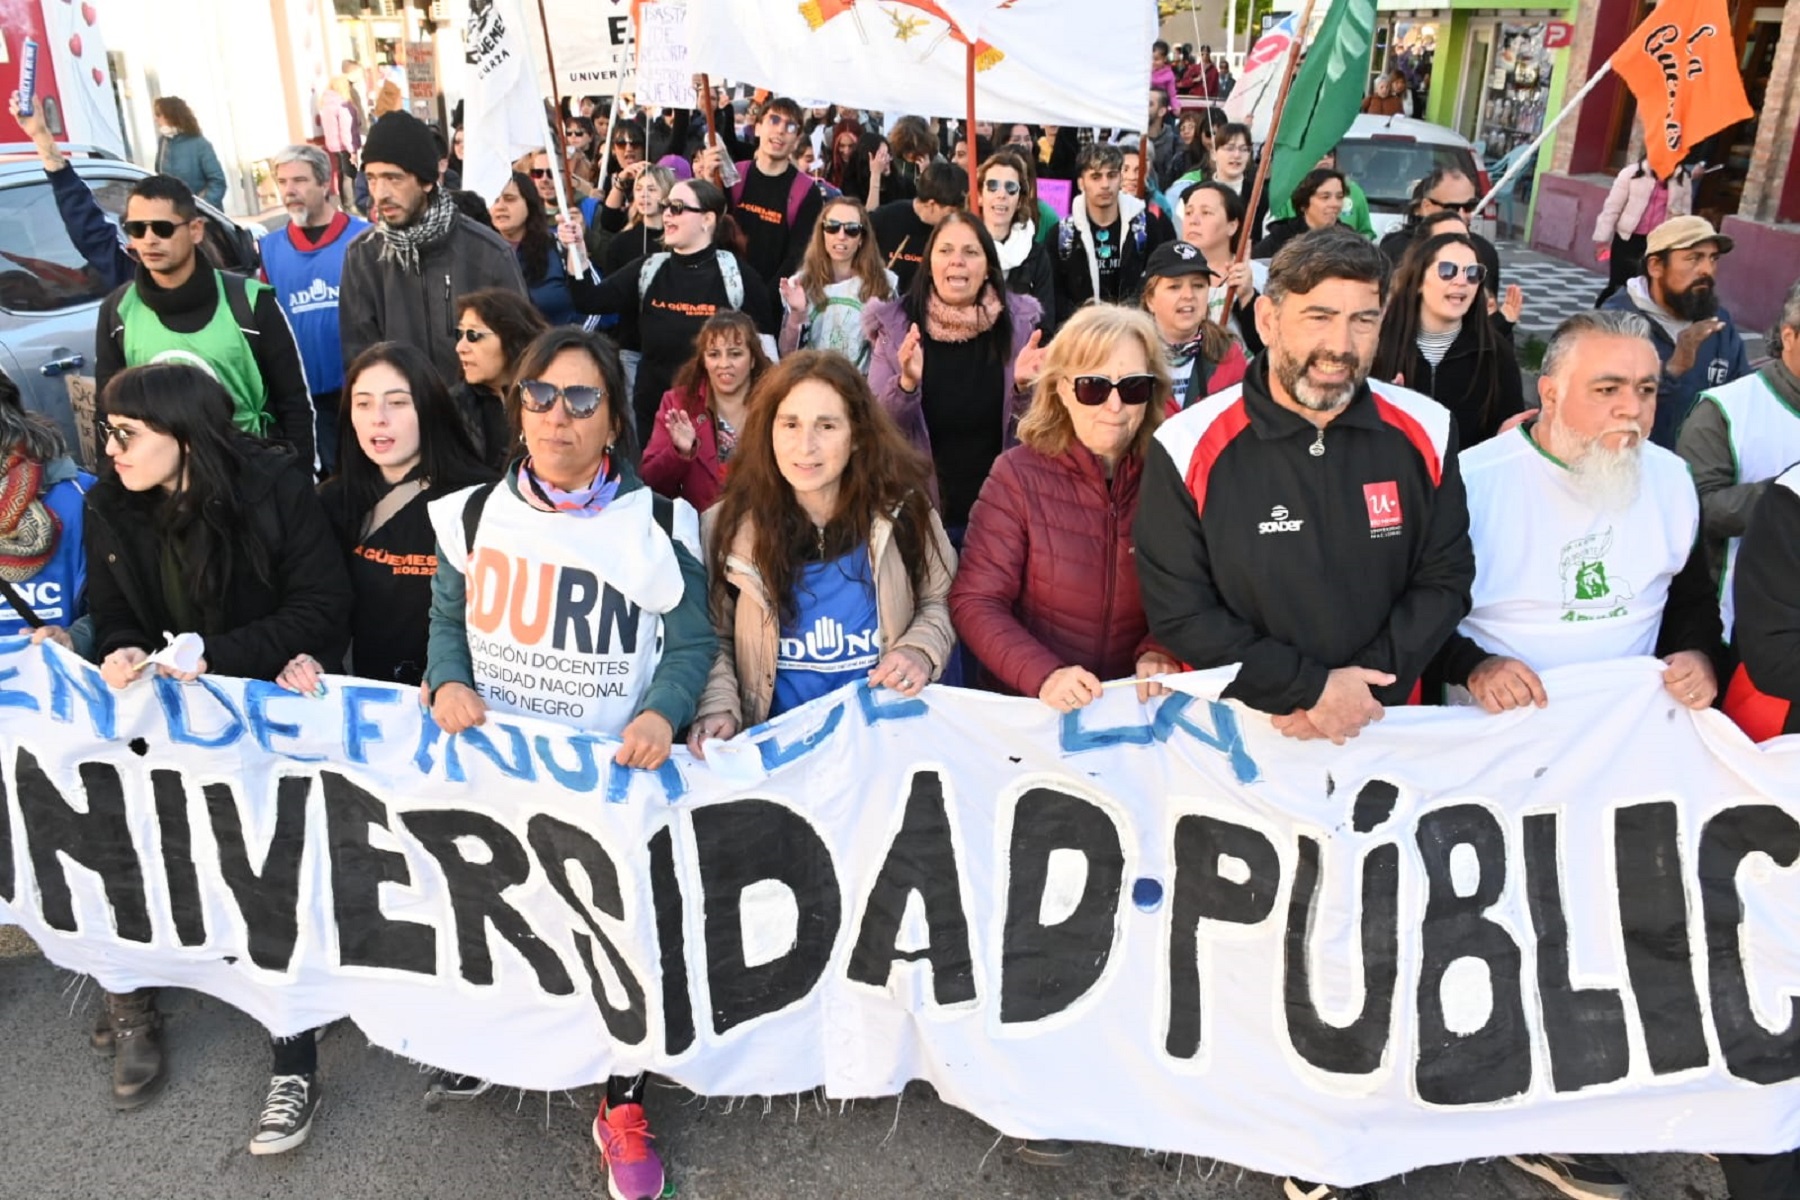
[1557,581]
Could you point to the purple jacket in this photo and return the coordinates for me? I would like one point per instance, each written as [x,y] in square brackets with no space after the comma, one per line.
[885,324]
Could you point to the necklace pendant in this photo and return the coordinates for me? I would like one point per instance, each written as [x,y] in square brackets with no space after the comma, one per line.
[1317,449]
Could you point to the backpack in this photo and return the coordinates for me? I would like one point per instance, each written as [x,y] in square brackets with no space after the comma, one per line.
[662,510]
[798,189]
[728,269]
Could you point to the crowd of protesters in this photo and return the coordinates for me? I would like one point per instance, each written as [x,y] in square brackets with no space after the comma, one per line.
[1010,449]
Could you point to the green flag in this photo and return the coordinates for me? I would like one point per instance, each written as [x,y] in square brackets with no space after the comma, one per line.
[1326,96]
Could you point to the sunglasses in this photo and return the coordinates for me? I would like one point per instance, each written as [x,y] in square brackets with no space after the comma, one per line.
[540,172]
[1457,206]
[676,208]
[162,229]
[1473,273]
[536,396]
[1009,186]
[852,229]
[1095,390]
[783,126]
[117,433]
[472,336]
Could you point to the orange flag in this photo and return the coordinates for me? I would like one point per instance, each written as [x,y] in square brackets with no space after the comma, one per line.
[1681,64]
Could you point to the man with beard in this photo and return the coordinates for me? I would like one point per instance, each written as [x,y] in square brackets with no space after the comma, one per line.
[1694,336]
[1585,533]
[304,263]
[402,279]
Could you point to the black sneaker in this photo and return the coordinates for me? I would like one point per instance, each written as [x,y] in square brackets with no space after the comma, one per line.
[1300,1189]
[446,1086]
[287,1114]
[1580,1176]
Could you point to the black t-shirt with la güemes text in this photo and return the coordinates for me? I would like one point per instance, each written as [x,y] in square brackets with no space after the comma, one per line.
[774,248]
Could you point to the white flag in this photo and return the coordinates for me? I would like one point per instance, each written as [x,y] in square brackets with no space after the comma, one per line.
[1252,100]
[503,114]
[1058,62]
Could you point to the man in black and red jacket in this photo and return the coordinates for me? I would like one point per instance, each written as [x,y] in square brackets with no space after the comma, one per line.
[1764,697]
[1308,524]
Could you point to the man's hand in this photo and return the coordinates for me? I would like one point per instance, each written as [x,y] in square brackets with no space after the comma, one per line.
[34,128]
[1346,704]
[647,740]
[1690,679]
[458,707]
[1499,684]
[1297,725]
[121,667]
[1687,346]
[1149,665]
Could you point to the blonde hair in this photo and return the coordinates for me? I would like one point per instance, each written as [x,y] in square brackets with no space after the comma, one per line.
[1082,345]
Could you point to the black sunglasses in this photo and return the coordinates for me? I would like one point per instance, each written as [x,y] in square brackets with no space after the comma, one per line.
[1458,206]
[472,336]
[1095,390]
[540,172]
[539,397]
[162,229]
[117,433]
[676,208]
[847,228]
[1474,272]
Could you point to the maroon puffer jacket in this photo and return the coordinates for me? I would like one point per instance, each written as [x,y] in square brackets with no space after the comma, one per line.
[1048,573]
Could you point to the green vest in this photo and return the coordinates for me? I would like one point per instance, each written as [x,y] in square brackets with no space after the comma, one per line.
[220,347]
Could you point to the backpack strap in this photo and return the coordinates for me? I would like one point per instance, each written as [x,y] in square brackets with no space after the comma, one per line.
[237,295]
[743,173]
[733,276]
[797,193]
[472,510]
[663,510]
[647,273]
[30,617]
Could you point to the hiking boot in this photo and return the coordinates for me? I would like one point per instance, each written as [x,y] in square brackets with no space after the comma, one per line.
[136,1029]
[633,1170]
[101,1038]
[1579,1176]
[287,1114]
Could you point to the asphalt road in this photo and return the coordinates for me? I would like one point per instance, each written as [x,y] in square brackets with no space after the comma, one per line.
[374,1138]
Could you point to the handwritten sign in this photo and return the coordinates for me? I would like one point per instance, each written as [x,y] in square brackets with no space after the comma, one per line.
[664,78]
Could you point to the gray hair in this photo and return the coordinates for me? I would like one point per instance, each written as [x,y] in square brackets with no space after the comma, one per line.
[35,436]
[1788,318]
[312,156]
[1608,322]
[1321,254]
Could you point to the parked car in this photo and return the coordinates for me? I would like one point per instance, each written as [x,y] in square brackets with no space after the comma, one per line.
[49,296]
[1386,156]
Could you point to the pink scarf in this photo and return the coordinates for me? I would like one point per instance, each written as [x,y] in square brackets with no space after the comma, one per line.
[583,502]
[961,323]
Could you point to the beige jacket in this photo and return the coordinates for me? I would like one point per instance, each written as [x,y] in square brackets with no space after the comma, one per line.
[742,683]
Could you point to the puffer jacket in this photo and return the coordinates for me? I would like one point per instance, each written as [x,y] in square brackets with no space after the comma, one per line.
[1048,577]
[742,683]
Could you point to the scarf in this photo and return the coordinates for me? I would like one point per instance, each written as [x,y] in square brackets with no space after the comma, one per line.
[1183,353]
[947,323]
[401,244]
[1017,246]
[582,502]
[28,530]
[1783,382]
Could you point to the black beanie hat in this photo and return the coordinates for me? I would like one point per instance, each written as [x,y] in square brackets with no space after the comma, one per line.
[405,141]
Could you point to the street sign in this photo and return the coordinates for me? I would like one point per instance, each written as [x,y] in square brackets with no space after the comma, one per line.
[1558,34]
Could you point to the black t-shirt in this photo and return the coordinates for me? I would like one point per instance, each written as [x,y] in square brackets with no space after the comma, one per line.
[1108,250]
[963,389]
[901,236]
[774,247]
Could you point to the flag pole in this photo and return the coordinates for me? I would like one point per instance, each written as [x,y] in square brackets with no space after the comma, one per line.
[1246,235]
[969,131]
[1530,148]
[576,255]
[612,117]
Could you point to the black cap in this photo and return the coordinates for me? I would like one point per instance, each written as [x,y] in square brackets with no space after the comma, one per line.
[1174,259]
[405,141]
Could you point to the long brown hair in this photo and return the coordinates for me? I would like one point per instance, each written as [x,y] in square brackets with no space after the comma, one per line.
[884,477]
[815,268]
[1400,323]
[727,325]
[176,112]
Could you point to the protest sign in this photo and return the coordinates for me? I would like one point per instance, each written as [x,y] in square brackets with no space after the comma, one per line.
[664,77]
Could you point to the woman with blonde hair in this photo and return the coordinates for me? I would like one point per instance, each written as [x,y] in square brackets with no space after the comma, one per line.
[842,271]
[1046,595]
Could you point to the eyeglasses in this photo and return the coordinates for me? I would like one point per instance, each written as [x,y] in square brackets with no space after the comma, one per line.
[852,229]
[540,172]
[1095,390]
[117,433]
[783,126]
[472,336]
[1009,186]
[1474,272]
[676,208]
[1459,206]
[162,229]
[539,397]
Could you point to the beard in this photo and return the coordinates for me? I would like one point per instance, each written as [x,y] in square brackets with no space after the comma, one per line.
[1292,375]
[1608,479]
[1696,303]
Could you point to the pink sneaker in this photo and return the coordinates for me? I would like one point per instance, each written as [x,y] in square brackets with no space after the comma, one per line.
[633,1171]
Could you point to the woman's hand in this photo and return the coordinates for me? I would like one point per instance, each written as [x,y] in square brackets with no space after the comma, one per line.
[303,675]
[722,726]
[570,228]
[1030,363]
[647,740]
[1070,688]
[903,670]
[52,633]
[458,707]
[793,296]
[912,360]
[1154,662]
[681,431]
[1242,283]
[1513,306]
[121,667]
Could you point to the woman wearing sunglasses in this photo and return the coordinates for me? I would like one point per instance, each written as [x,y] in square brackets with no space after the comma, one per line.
[1437,338]
[493,327]
[664,298]
[1046,596]
[842,271]
[953,359]
[201,529]
[703,415]
[519,217]
[1009,212]
[828,564]
[573,509]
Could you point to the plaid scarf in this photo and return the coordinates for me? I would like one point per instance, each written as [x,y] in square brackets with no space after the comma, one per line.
[401,244]
[28,529]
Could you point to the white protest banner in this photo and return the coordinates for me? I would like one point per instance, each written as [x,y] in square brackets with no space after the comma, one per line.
[1059,62]
[503,114]
[592,41]
[1572,929]
[664,78]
